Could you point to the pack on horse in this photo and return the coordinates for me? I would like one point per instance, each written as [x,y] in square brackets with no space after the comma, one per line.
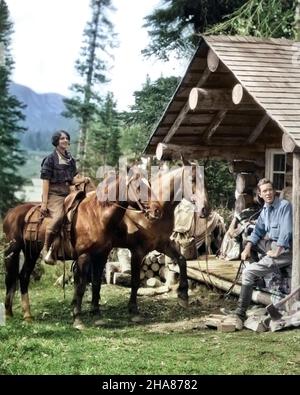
[93,224]
[141,236]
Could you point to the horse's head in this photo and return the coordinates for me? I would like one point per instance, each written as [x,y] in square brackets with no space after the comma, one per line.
[132,189]
[140,194]
[188,182]
[199,194]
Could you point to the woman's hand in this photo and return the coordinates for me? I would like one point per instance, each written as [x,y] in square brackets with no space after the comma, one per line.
[87,180]
[44,209]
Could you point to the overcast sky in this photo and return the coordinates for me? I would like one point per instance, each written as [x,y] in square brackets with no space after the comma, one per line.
[48,37]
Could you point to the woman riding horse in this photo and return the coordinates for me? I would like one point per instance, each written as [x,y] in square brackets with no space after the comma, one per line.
[58,172]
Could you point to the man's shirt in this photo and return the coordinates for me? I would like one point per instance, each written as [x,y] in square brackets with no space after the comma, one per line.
[275,222]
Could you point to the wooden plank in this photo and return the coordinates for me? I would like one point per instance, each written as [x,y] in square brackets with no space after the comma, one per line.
[281,100]
[296,221]
[287,79]
[257,296]
[283,94]
[290,123]
[263,57]
[264,84]
[248,61]
[288,120]
[280,112]
[274,89]
[259,72]
[246,47]
[281,106]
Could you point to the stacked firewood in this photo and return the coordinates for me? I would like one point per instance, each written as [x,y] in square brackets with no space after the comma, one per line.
[154,273]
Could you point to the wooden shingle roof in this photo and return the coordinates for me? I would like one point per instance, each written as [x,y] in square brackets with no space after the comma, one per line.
[269,72]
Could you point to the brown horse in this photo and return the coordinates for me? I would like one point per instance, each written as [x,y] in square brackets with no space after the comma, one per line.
[94,225]
[141,236]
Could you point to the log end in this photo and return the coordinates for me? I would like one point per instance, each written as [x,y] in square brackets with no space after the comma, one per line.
[237,93]
[193,98]
[212,61]
[289,145]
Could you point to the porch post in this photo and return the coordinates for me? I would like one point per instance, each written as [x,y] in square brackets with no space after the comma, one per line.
[296,221]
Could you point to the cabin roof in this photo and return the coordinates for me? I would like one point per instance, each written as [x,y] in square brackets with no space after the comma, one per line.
[269,73]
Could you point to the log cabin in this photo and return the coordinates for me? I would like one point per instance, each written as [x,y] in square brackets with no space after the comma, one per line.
[239,99]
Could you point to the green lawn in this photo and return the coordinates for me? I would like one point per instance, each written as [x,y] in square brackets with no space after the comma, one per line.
[156,346]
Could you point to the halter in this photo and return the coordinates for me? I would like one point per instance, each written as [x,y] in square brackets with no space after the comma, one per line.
[142,208]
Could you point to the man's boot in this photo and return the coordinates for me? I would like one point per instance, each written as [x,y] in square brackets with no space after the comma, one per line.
[47,251]
[243,304]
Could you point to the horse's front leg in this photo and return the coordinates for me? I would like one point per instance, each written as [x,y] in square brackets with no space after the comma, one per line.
[80,281]
[98,261]
[11,262]
[182,291]
[136,260]
[31,256]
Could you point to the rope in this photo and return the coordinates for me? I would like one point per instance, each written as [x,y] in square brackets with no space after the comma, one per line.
[241,265]
[209,283]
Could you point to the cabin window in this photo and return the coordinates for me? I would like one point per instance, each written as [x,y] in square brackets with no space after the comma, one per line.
[276,168]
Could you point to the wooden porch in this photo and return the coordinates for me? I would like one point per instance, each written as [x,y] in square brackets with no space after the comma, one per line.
[220,274]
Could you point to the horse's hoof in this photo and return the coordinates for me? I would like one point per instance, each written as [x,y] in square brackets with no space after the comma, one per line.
[79,325]
[28,319]
[183,303]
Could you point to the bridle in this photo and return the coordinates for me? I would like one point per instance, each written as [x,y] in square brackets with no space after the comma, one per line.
[143,208]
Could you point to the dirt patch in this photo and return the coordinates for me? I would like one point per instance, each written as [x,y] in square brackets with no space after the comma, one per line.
[202,302]
[178,326]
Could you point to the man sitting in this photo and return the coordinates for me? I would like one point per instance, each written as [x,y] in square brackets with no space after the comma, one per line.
[271,239]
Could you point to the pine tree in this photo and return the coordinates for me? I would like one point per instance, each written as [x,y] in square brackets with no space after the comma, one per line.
[149,105]
[11,157]
[103,142]
[260,18]
[297,20]
[173,25]
[92,68]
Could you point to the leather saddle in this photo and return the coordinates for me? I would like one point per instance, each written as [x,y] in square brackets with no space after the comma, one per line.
[63,245]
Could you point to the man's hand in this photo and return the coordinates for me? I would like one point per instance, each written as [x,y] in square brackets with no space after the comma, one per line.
[87,180]
[247,252]
[275,253]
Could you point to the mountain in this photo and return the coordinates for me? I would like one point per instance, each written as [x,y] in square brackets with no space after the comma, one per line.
[43,117]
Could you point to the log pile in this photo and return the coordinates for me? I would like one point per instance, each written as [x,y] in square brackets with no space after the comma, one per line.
[154,271]
[155,276]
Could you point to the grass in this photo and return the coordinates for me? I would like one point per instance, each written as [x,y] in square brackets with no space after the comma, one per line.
[157,345]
